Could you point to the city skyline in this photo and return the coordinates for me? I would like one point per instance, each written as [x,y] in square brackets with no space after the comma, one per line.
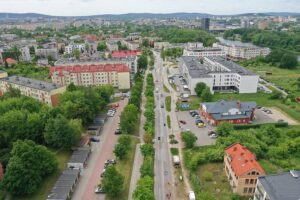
[98,7]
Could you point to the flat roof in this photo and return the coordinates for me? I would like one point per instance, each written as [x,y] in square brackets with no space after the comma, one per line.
[282,186]
[31,83]
[93,60]
[236,43]
[79,155]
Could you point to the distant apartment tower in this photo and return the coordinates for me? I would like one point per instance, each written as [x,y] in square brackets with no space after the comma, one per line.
[47,93]
[205,23]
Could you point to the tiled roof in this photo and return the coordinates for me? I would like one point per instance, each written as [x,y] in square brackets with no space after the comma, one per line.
[90,68]
[118,54]
[243,160]
[11,61]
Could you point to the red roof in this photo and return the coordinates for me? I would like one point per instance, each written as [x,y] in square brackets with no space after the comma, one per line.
[90,68]
[243,160]
[125,53]
[11,61]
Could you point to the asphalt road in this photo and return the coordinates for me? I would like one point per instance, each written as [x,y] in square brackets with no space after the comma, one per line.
[164,179]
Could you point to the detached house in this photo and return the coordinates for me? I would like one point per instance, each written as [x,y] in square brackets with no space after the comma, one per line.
[242,169]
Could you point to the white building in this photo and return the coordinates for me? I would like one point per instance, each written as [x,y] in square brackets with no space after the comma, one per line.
[70,48]
[204,52]
[25,54]
[194,45]
[218,74]
[161,45]
[237,50]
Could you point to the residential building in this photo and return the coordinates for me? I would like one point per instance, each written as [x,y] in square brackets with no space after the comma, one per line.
[218,74]
[125,53]
[204,52]
[237,50]
[70,48]
[263,24]
[242,169]
[161,45]
[283,186]
[45,53]
[3,74]
[117,75]
[234,112]
[194,45]
[132,45]
[25,54]
[112,45]
[47,93]
[1,57]
[205,23]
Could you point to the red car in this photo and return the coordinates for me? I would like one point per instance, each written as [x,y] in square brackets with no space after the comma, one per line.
[183,122]
[298,99]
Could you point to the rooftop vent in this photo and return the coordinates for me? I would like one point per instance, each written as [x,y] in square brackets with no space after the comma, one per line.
[294,173]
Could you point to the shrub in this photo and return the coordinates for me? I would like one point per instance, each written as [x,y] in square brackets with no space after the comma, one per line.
[189,139]
[147,168]
[174,151]
[147,150]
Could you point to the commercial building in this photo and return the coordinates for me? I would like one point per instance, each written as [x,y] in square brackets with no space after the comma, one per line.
[117,75]
[205,22]
[65,185]
[47,93]
[218,74]
[242,169]
[234,112]
[283,186]
[237,50]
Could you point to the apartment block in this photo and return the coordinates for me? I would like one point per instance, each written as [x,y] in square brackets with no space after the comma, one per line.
[283,186]
[204,52]
[117,75]
[47,93]
[70,48]
[45,53]
[218,74]
[242,169]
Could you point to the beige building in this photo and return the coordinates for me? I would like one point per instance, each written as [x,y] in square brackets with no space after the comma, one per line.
[47,93]
[117,75]
[242,169]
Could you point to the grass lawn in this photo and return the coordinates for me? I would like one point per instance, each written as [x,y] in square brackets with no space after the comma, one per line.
[194,103]
[269,167]
[169,121]
[168,103]
[125,168]
[48,182]
[166,89]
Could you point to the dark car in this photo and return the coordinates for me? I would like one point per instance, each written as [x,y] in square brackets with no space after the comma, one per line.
[94,139]
[212,132]
[182,121]
[118,131]
[197,121]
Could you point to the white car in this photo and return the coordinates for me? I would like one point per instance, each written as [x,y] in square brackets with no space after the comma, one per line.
[99,189]
[102,173]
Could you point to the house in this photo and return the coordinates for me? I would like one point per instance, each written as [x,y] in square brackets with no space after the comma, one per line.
[47,93]
[234,112]
[79,158]
[218,74]
[242,169]
[11,61]
[281,186]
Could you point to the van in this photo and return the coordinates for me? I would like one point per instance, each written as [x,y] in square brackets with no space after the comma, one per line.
[176,161]
[192,195]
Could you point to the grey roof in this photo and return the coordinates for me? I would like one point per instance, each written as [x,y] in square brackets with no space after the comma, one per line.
[31,83]
[198,69]
[236,43]
[80,155]
[282,186]
[65,61]
[221,110]
[64,185]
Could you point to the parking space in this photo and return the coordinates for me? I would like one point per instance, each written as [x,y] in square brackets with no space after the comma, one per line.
[262,117]
[275,115]
[201,133]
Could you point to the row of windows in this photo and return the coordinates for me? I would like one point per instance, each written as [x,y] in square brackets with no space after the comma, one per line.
[249,190]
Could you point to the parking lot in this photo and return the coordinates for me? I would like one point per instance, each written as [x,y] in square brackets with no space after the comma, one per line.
[262,117]
[201,133]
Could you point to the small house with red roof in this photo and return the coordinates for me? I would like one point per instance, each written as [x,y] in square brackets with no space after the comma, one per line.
[242,169]
[11,61]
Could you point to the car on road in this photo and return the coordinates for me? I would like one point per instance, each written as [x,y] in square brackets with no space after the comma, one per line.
[201,125]
[162,105]
[118,131]
[182,121]
[99,189]
[94,139]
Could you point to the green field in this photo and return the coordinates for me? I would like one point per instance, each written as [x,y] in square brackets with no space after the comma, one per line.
[168,103]
[48,182]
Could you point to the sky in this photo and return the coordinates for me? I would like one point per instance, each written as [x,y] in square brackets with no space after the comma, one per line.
[94,7]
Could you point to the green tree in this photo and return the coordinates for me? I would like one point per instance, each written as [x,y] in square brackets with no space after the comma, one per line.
[125,140]
[224,129]
[129,119]
[199,88]
[147,150]
[289,61]
[113,182]
[101,46]
[76,54]
[120,151]
[298,84]
[61,133]
[189,139]
[28,164]
[144,189]
[206,95]
[142,62]
[147,167]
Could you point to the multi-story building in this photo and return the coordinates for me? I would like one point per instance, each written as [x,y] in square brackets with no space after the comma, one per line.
[218,74]
[25,54]
[125,53]
[283,186]
[70,48]
[242,169]
[161,45]
[205,22]
[234,112]
[47,93]
[112,45]
[132,45]
[204,52]
[237,50]
[45,53]
[117,75]
[194,45]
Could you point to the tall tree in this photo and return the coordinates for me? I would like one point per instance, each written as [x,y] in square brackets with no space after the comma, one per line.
[113,182]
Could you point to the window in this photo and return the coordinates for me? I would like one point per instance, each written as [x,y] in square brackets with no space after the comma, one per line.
[247,181]
[250,190]
[251,181]
[245,190]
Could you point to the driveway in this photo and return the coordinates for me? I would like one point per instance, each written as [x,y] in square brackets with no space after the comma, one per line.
[101,151]
[201,133]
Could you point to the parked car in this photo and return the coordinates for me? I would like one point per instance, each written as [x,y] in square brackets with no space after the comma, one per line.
[118,131]
[94,139]
[111,161]
[213,136]
[280,121]
[99,189]
[182,121]
[197,121]
[268,112]
[102,173]
[212,132]
[201,125]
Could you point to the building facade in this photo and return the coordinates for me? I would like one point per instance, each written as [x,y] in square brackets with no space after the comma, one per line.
[234,112]
[70,48]
[242,169]
[281,186]
[117,75]
[218,74]
[45,53]
[204,52]
[47,93]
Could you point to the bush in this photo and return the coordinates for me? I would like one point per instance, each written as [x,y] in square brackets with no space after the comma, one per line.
[147,150]
[168,121]
[174,151]
[207,176]
[147,168]
[173,141]
[189,139]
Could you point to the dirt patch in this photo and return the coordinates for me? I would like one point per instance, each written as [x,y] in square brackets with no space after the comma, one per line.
[279,114]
